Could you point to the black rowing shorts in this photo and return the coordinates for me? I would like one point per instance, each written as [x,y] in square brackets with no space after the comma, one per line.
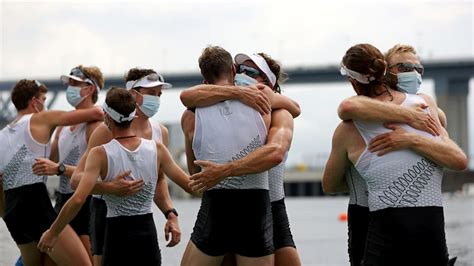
[234,221]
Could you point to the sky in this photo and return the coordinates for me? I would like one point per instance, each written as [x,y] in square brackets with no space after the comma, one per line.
[44,39]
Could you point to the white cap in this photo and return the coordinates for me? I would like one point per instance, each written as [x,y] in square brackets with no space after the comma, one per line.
[261,64]
[79,75]
[151,80]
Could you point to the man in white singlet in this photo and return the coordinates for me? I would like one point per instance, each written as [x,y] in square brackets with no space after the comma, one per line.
[84,84]
[262,69]
[237,210]
[400,184]
[147,86]
[131,234]
[26,139]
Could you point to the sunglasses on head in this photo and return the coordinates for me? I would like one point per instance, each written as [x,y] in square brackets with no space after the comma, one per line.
[409,67]
[77,72]
[37,83]
[155,77]
[249,71]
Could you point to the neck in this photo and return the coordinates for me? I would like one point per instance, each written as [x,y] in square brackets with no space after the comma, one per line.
[225,81]
[27,111]
[141,121]
[119,132]
[86,103]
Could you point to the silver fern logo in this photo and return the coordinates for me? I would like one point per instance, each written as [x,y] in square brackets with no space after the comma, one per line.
[72,158]
[13,167]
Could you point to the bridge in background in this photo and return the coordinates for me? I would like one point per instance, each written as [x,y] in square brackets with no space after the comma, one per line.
[451,78]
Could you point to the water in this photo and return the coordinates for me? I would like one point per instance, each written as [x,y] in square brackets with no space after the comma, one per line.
[319,236]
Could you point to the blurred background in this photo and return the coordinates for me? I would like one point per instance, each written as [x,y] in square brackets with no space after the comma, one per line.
[45,39]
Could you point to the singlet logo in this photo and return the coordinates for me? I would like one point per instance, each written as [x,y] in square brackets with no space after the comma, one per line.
[12,168]
[131,205]
[72,158]
[406,190]
[235,182]
[226,110]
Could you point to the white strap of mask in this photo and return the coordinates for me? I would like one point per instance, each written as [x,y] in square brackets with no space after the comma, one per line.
[116,116]
[362,78]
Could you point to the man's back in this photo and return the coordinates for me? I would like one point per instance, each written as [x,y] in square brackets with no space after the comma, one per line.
[228,131]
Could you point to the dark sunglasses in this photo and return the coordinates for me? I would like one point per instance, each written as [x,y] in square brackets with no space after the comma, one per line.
[249,71]
[409,67]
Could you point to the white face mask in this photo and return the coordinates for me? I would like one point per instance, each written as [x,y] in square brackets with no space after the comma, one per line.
[73,95]
[409,82]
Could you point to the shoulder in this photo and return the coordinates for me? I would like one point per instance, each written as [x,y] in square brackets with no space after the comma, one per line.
[101,135]
[281,114]
[428,99]
[187,119]
[160,147]
[97,153]
[91,126]
[164,130]
[344,128]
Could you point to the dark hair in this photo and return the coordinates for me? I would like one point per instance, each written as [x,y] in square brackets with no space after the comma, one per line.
[138,73]
[24,91]
[122,101]
[368,60]
[215,63]
[96,75]
[275,67]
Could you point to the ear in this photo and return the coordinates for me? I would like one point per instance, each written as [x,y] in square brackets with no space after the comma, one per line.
[90,89]
[205,82]
[234,70]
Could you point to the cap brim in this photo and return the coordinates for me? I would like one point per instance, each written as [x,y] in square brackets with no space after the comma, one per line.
[65,78]
[163,85]
[240,58]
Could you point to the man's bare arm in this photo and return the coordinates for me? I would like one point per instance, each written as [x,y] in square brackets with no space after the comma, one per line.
[367,109]
[271,154]
[187,125]
[207,94]
[162,196]
[337,164]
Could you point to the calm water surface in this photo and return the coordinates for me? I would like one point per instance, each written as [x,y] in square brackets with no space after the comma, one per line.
[319,235]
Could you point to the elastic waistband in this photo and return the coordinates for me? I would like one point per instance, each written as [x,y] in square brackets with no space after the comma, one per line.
[26,188]
[130,219]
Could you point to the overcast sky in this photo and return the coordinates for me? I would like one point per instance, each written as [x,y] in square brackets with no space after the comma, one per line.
[47,38]
[44,39]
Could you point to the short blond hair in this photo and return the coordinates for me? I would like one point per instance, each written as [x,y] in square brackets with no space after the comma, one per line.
[399,49]
[94,73]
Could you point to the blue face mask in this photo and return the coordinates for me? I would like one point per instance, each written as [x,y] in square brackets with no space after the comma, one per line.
[409,82]
[73,95]
[244,80]
[150,105]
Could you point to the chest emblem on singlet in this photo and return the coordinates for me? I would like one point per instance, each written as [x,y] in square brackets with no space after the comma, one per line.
[132,157]
[14,166]
[226,110]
